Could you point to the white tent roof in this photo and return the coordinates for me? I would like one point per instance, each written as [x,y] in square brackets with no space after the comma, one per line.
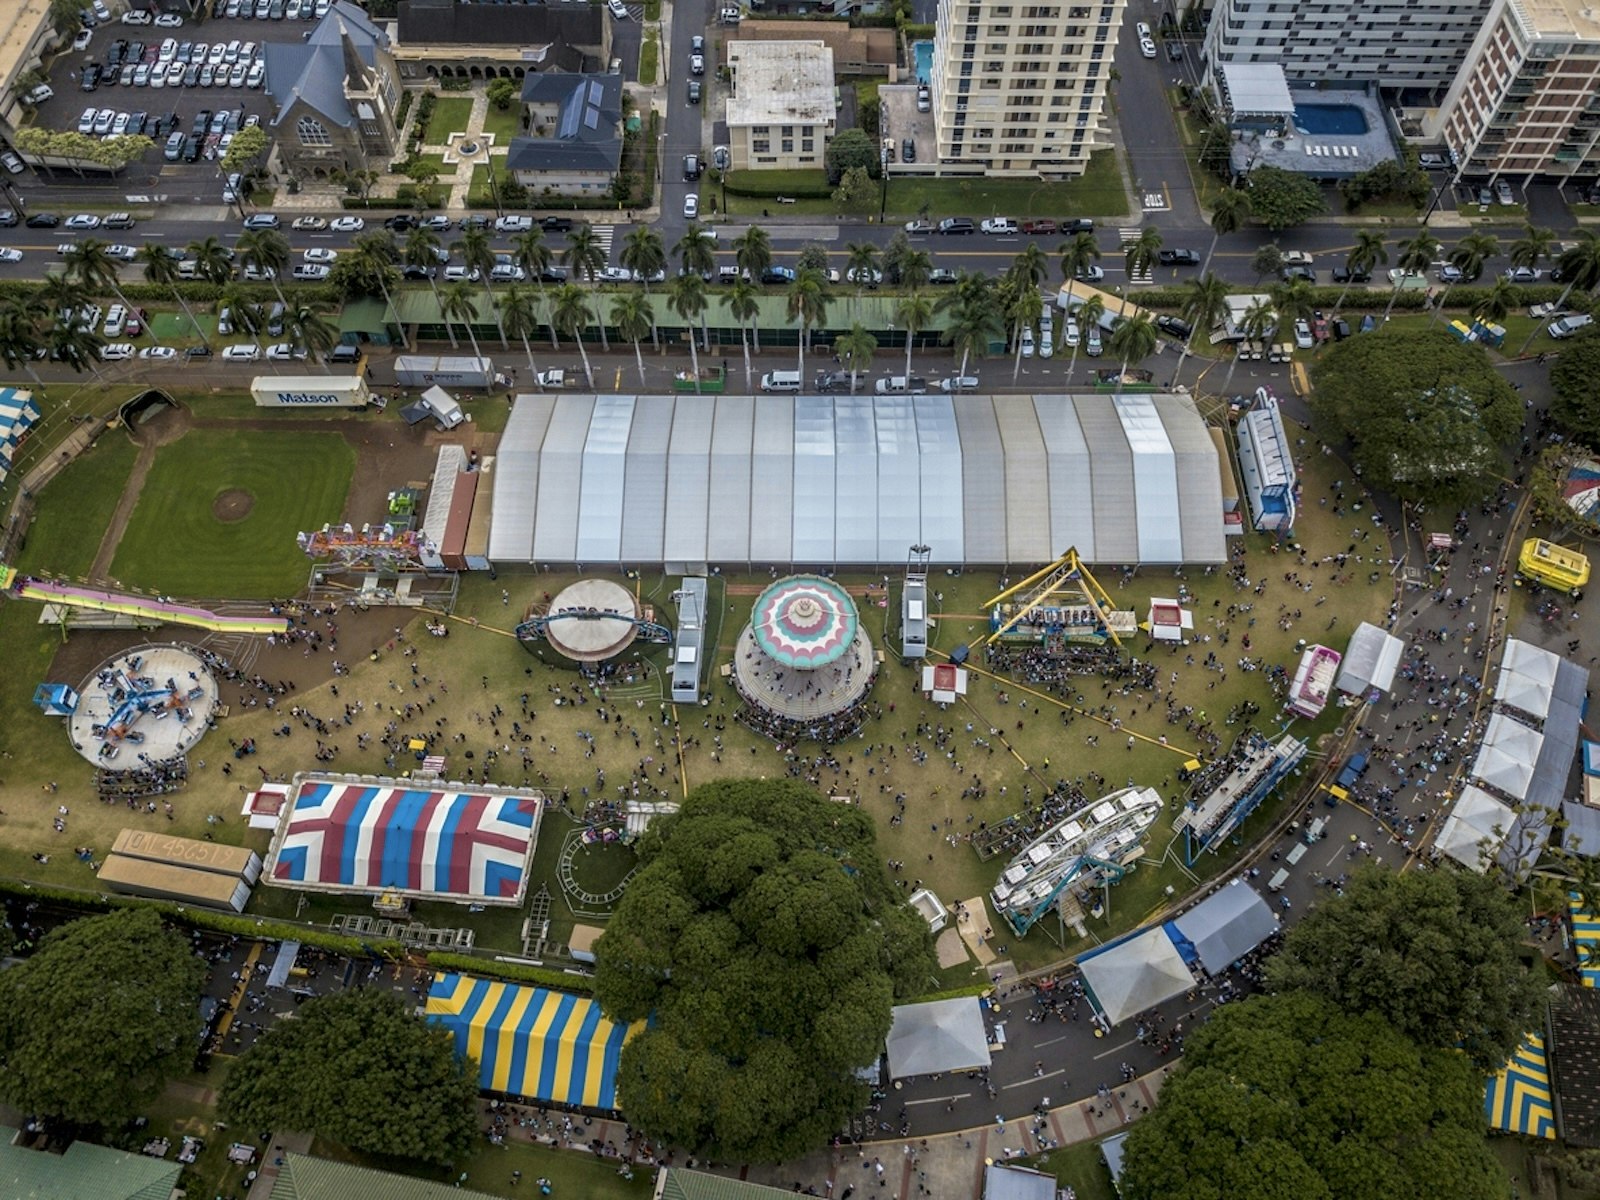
[1527,659]
[1257,89]
[1473,821]
[1525,692]
[1136,974]
[1370,661]
[1506,761]
[1227,925]
[942,1035]
[1001,1182]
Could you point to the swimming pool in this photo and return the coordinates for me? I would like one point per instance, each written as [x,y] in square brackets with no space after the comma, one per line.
[1330,118]
[922,60]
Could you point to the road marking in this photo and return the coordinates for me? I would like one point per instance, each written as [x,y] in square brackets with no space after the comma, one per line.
[940,1099]
[1051,1042]
[1115,1049]
[1032,1079]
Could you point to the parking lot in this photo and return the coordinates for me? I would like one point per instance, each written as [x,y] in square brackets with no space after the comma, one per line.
[162,73]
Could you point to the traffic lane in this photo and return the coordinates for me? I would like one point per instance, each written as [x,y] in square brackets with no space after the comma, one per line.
[1158,161]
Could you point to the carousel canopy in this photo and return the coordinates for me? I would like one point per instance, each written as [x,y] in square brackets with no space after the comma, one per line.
[804,621]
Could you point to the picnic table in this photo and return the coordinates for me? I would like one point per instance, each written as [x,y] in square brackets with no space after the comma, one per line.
[157,1147]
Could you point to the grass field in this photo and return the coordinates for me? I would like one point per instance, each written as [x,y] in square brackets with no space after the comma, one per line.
[489,1170]
[174,542]
[505,125]
[450,115]
[65,536]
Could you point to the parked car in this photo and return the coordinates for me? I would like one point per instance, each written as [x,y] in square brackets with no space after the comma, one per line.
[959,383]
[42,220]
[284,352]
[1565,327]
[1346,275]
[312,223]
[999,226]
[1042,226]
[1174,326]
[242,352]
[271,221]
[158,353]
[919,227]
[1025,341]
[1302,334]
[116,352]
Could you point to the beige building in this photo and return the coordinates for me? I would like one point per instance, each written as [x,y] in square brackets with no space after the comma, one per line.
[781,111]
[25,33]
[1526,102]
[865,51]
[1019,89]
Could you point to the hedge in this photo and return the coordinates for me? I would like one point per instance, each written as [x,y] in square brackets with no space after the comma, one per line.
[518,972]
[760,189]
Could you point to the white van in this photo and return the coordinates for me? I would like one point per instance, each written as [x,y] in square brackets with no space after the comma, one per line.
[901,385]
[1565,327]
[781,381]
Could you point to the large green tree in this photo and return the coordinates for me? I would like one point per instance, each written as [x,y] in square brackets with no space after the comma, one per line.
[852,148]
[1287,1095]
[1279,198]
[766,945]
[94,1024]
[1434,953]
[361,1068]
[1576,407]
[1426,415]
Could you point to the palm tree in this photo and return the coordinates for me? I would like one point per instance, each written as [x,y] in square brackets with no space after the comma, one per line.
[571,313]
[752,252]
[312,330]
[1255,322]
[808,305]
[855,346]
[1022,313]
[377,255]
[744,306]
[1089,314]
[644,255]
[1416,255]
[532,253]
[75,345]
[915,266]
[1031,266]
[860,264]
[1133,340]
[1205,304]
[1292,301]
[20,335]
[697,250]
[585,258]
[478,255]
[686,296]
[974,318]
[520,312]
[1230,212]
[1534,244]
[1077,256]
[1140,255]
[1497,305]
[912,312]
[631,313]
[89,263]
[247,314]
[1365,257]
[459,304]
[161,269]
[1580,268]
[1468,258]
[212,261]
[267,251]
[422,251]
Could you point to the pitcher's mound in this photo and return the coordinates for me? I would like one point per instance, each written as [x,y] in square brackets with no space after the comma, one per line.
[233,505]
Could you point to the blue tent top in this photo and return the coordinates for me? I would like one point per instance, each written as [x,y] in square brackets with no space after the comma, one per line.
[1591,758]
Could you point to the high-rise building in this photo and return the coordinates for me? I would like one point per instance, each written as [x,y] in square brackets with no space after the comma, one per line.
[1527,100]
[1019,89]
[1409,44]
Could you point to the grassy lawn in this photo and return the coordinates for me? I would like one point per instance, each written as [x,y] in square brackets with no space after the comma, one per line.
[436,161]
[649,54]
[1099,193]
[175,544]
[1079,1167]
[450,115]
[504,125]
[74,510]
[488,1169]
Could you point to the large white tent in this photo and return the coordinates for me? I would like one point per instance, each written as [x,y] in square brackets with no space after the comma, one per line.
[1475,829]
[1135,974]
[1226,925]
[1370,662]
[1527,679]
[838,480]
[939,1036]
[1508,755]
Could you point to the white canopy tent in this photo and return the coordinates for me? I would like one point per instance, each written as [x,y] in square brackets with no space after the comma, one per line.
[1136,974]
[1475,829]
[1370,662]
[1527,679]
[1506,760]
[942,1035]
[1227,925]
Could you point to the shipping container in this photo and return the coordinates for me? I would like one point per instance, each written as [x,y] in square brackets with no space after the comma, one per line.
[310,391]
[189,852]
[426,370]
[452,547]
[186,885]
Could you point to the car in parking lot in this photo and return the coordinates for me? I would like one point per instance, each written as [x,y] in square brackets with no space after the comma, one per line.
[1047,334]
[83,221]
[242,352]
[310,223]
[1174,326]
[116,352]
[86,122]
[347,225]
[236,75]
[169,21]
[1092,345]
[1302,334]
[285,352]
[103,121]
[81,42]
[1178,258]
[310,272]
[256,73]
[1070,336]
[1026,341]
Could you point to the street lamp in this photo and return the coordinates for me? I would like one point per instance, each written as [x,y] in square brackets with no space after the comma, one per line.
[883,180]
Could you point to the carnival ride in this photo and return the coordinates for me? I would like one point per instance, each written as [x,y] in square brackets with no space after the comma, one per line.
[159,699]
[1096,844]
[159,610]
[591,621]
[1059,605]
[392,546]
[1313,681]
[1234,788]
[804,659]
[1553,566]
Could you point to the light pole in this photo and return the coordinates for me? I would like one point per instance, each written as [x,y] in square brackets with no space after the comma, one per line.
[883,180]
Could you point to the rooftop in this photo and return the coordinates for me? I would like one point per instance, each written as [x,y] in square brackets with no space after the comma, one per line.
[1564,19]
[586,135]
[19,23]
[780,83]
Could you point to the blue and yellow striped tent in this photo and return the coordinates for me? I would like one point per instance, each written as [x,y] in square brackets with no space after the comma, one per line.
[529,1041]
[1517,1099]
[1585,939]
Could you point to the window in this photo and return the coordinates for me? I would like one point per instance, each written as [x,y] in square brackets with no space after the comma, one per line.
[788,131]
[760,146]
[312,132]
[788,145]
[807,146]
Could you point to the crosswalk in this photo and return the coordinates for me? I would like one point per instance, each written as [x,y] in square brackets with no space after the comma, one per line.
[603,235]
[1145,274]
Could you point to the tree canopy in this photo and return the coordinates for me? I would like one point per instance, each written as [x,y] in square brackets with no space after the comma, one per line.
[856,191]
[767,945]
[1288,1096]
[1426,415]
[1434,953]
[94,1024]
[1576,407]
[1279,198]
[361,1068]
[852,148]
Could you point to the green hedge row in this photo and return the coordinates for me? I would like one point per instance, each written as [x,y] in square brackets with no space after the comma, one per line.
[750,183]
[517,972]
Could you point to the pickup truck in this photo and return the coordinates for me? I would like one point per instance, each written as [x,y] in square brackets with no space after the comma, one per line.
[556,378]
[1352,771]
[1540,311]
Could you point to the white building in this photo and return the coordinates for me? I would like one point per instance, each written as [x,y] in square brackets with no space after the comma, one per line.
[1398,43]
[1527,100]
[781,113]
[1019,89]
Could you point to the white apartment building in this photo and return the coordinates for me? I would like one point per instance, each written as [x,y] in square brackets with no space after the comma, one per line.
[1414,44]
[1527,100]
[781,113]
[1019,89]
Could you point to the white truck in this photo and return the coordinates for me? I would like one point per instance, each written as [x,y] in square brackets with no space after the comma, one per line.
[556,378]
[310,391]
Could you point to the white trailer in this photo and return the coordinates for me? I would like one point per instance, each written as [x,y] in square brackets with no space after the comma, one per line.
[310,391]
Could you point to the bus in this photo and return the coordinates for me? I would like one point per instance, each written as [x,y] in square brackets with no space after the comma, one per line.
[237,861]
[161,881]
[1553,566]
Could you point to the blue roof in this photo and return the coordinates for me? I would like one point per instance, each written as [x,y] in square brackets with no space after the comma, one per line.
[314,69]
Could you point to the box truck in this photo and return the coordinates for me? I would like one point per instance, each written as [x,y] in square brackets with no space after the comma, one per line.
[425,370]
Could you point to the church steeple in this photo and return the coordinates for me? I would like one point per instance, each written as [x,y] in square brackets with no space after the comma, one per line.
[355,71]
